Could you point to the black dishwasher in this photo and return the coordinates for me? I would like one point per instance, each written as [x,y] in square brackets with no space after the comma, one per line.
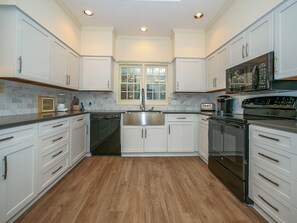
[105,134]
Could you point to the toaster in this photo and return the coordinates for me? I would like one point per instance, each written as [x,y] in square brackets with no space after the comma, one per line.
[207,107]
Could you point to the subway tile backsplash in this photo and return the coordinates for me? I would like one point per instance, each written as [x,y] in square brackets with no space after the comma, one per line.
[20,98]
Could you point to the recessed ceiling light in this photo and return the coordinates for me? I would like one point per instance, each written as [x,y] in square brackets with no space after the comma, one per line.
[88,12]
[198,15]
[143,29]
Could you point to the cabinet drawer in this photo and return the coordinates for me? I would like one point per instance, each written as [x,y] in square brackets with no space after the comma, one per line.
[79,119]
[16,135]
[278,209]
[279,139]
[53,172]
[203,119]
[47,159]
[275,182]
[180,117]
[280,161]
[48,142]
[53,126]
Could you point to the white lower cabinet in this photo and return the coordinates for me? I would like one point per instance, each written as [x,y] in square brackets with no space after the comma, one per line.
[181,131]
[273,171]
[203,137]
[78,138]
[139,139]
[18,167]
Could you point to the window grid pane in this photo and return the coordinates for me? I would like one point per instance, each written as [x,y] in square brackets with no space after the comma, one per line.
[130,82]
[156,82]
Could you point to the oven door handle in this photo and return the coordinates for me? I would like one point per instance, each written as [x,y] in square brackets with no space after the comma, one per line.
[240,126]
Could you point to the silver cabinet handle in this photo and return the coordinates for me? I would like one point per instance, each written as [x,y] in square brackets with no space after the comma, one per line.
[80,119]
[145,133]
[275,64]
[142,133]
[55,140]
[181,118]
[242,51]
[7,138]
[177,85]
[55,126]
[266,178]
[204,119]
[57,170]
[53,156]
[267,137]
[169,130]
[5,168]
[246,50]
[66,79]
[268,157]
[69,82]
[262,198]
[21,65]
[108,84]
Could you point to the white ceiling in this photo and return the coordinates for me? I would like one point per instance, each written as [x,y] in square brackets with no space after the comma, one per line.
[160,16]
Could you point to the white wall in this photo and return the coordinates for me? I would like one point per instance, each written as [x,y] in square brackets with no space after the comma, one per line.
[237,17]
[97,41]
[188,43]
[49,14]
[148,49]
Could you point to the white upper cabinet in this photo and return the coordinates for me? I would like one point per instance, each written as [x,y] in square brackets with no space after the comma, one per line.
[189,75]
[65,66]
[25,47]
[253,42]
[285,40]
[217,63]
[34,51]
[97,73]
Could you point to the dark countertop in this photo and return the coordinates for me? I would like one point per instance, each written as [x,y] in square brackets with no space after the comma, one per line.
[280,124]
[18,120]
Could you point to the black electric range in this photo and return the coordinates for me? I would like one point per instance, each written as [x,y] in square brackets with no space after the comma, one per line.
[229,139]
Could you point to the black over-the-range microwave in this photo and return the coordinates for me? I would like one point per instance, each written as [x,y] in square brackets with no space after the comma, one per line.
[256,75]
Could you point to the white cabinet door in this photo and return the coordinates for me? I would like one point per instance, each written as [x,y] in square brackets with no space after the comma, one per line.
[78,142]
[181,137]
[211,71]
[260,37]
[18,183]
[190,75]
[237,49]
[155,139]
[59,61]
[285,40]
[73,69]
[203,137]
[34,51]
[223,64]
[132,139]
[253,42]
[97,73]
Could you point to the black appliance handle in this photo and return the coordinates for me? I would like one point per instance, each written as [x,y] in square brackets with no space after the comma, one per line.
[240,126]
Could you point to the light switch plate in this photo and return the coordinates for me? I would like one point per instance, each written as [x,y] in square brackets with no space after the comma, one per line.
[1,87]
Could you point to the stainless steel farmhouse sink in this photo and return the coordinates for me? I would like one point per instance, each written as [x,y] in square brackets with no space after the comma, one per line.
[143,118]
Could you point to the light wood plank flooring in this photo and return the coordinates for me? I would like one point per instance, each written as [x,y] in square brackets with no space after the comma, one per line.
[115,189]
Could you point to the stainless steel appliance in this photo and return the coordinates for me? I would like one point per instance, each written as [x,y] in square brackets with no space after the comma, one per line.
[208,107]
[256,75]
[105,134]
[225,104]
[228,139]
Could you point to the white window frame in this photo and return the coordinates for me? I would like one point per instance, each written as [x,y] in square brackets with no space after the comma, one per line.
[143,84]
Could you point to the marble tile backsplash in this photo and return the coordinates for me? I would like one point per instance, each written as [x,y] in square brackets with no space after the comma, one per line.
[20,98]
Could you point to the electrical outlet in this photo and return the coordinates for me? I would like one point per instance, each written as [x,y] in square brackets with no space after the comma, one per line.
[1,87]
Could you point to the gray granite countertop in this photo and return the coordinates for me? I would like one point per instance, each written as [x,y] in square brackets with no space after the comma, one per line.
[280,124]
[18,120]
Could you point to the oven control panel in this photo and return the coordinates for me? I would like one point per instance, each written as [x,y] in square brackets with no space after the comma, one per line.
[286,102]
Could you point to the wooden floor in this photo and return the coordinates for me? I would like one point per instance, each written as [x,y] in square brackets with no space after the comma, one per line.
[115,189]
